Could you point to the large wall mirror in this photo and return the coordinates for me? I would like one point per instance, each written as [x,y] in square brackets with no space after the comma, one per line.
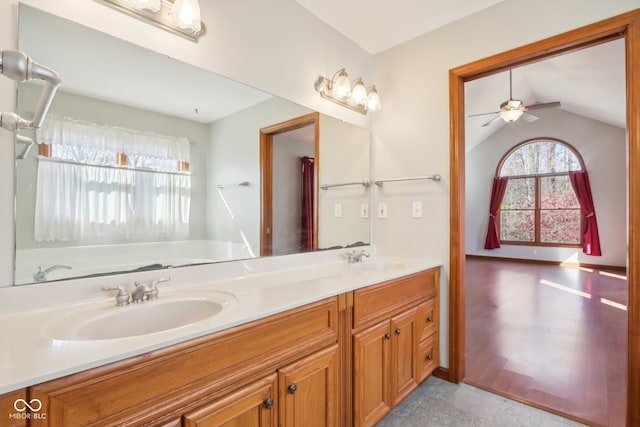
[148,163]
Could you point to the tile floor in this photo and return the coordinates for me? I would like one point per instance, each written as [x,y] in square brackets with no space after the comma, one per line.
[437,403]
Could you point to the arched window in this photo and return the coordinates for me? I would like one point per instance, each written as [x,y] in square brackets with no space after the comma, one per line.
[540,206]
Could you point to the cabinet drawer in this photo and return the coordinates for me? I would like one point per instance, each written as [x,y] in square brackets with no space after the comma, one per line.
[428,356]
[428,313]
[251,405]
[376,302]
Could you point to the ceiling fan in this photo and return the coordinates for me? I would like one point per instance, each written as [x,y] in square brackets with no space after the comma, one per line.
[512,109]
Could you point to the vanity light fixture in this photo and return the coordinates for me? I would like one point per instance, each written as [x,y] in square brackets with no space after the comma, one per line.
[351,95]
[181,17]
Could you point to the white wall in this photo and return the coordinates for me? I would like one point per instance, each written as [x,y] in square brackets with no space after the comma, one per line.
[603,150]
[411,132]
[276,46]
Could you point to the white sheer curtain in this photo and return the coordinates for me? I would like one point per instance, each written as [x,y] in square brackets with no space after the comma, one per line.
[81,195]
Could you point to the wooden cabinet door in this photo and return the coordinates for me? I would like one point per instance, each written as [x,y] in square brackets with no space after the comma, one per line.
[12,417]
[308,391]
[371,397]
[404,348]
[253,405]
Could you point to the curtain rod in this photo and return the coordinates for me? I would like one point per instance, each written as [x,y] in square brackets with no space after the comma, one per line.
[68,162]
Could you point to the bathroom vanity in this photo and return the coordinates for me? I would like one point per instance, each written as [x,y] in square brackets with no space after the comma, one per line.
[346,353]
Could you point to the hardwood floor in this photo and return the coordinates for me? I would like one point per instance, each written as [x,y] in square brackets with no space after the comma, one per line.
[552,336]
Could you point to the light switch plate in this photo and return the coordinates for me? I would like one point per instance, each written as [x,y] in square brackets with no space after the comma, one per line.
[364,210]
[416,209]
[337,210]
[382,210]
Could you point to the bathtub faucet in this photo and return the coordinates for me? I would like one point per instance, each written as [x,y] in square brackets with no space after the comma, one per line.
[41,276]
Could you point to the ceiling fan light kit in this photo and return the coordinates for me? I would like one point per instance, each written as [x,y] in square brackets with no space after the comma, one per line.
[512,109]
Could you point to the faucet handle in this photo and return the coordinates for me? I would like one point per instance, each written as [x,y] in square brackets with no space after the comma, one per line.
[122,298]
[153,292]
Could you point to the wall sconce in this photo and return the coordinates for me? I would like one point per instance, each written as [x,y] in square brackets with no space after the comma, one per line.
[351,95]
[181,17]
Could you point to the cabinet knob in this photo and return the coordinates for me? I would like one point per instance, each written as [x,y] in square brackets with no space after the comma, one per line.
[429,319]
[398,331]
[293,388]
[429,356]
[387,336]
[268,403]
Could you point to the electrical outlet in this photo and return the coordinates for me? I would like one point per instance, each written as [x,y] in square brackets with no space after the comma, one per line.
[382,210]
[337,210]
[416,209]
[364,210]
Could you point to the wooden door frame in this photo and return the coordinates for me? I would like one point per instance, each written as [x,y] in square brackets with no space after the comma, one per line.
[266,175]
[625,26]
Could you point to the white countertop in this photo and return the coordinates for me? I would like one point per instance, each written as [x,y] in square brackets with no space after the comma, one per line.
[29,356]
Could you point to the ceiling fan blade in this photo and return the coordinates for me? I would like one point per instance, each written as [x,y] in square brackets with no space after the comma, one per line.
[491,121]
[543,105]
[529,118]
[483,114]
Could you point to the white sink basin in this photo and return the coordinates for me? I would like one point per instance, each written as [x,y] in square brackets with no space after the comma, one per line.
[171,311]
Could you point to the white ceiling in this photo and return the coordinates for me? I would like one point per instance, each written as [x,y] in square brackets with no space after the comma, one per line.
[377,25]
[589,82]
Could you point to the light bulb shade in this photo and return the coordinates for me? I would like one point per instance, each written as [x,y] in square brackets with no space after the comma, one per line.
[359,93]
[186,14]
[340,85]
[510,116]
[373,100]
[152,5]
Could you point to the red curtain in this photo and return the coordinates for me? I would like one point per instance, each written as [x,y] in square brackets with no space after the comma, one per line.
[497,194]
[580,183]
[307,208]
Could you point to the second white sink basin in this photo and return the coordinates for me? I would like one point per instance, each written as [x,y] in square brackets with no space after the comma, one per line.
[169,312]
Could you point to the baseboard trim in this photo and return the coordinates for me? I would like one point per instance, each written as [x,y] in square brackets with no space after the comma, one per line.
[442,373]
[544,262]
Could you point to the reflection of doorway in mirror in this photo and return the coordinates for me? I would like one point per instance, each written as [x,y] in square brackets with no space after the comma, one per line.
[283,146]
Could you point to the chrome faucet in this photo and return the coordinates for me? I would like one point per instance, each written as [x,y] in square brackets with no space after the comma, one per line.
[122,298]
[354,257]
[41,276]
[150,291]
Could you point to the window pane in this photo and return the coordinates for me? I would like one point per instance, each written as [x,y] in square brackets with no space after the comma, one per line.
[520,194]
[560,226]
[517,226]
[540,157]
[556,192]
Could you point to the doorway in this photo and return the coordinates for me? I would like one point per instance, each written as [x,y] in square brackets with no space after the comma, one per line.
[626,26]
[281,144]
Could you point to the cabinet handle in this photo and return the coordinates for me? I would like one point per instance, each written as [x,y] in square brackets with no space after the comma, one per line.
[429,319]
[398,331]
[387,336]
[429,356]
[268,403]
[293,388]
